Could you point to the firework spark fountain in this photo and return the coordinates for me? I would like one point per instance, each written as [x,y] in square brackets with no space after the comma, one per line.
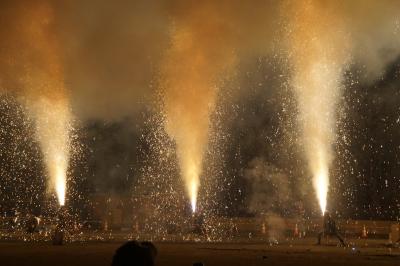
[191,69]
[45,95]
[53,123]
[187,114]
[319,54]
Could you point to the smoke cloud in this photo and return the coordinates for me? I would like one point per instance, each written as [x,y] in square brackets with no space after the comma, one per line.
[111,52]
[270,190]
[271,196]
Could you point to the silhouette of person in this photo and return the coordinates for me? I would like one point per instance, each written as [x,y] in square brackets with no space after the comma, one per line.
[329,229]
[58,237]
[198,224]
[31,224]
[134,253]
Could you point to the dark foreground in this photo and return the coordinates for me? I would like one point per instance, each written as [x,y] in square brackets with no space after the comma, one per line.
[100,253]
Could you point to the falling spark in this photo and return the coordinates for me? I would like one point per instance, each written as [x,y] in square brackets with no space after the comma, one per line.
[319,54]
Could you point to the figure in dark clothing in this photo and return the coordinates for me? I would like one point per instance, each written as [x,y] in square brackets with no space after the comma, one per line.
[135,253]
[32,224]
[198,224]
[330,229]
[58,237]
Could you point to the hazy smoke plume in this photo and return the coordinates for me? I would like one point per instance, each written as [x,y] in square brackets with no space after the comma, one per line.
[374,28]
[270,196]
[111,51]
[270,191]
[112,54]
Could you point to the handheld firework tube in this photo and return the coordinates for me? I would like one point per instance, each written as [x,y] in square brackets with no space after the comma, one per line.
[329,228]
[32,224]
[198,223]
[59,232]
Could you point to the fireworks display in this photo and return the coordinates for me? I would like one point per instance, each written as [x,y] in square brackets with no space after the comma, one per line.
[164,114]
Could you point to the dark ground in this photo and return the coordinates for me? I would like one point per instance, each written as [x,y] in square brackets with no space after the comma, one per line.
[296,253]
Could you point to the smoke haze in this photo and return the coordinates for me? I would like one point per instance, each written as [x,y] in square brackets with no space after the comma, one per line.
[111,52]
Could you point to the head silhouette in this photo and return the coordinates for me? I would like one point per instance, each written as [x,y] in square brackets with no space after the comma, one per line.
[134,253]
